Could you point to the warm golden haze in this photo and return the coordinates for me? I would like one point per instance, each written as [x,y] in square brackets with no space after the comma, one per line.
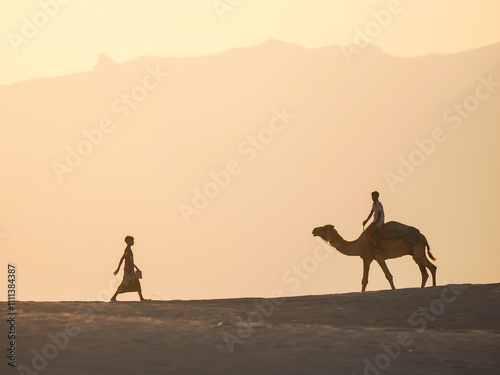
[278,139]
[220,136]
[53,37]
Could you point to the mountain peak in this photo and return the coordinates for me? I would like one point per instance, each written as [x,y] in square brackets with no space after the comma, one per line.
[104,61]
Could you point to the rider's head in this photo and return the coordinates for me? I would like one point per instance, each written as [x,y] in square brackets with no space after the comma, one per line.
[375,196]
[129,240]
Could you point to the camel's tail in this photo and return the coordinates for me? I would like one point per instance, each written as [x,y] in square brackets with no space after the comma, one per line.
[429,250]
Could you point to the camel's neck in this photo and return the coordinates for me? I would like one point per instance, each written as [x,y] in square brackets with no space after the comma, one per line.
[352,248]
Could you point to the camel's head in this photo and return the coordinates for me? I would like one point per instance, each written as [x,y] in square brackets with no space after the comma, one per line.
[327,233]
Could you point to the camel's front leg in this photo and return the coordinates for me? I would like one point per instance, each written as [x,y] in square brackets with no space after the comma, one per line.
[387,273]
[366,270]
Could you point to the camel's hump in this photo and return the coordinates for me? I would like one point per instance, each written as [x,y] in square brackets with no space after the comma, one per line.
[394,225]
[396,230]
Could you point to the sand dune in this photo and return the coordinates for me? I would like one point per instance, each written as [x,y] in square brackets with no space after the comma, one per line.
[453,329]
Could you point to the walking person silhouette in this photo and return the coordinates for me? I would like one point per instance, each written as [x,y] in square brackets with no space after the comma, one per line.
[130,282]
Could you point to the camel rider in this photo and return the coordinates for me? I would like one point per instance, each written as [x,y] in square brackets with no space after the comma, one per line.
[378,220]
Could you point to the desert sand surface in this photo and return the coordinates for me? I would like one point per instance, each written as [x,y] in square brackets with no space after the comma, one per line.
[451,329]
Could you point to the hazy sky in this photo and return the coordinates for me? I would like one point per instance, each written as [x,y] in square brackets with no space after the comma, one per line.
[66,38]
[56,230]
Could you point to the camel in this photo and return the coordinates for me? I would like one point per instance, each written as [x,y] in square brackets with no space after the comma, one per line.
[364,247]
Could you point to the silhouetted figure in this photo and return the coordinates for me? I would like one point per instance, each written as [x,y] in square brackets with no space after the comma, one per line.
[130,282]
[405,240]
[378,220]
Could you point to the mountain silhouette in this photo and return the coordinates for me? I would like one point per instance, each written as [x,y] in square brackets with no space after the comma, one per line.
[186,118]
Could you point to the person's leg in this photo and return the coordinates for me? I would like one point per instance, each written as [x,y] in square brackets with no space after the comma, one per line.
[141,297]
[121,289]
[114,295]
[378,239]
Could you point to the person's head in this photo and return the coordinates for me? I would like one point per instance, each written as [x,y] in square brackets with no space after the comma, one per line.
[375,196]
[129,240]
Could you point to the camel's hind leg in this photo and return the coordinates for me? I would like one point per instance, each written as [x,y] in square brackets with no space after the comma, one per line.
[432,268]
[421,259]
[427,262]
[425,275]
